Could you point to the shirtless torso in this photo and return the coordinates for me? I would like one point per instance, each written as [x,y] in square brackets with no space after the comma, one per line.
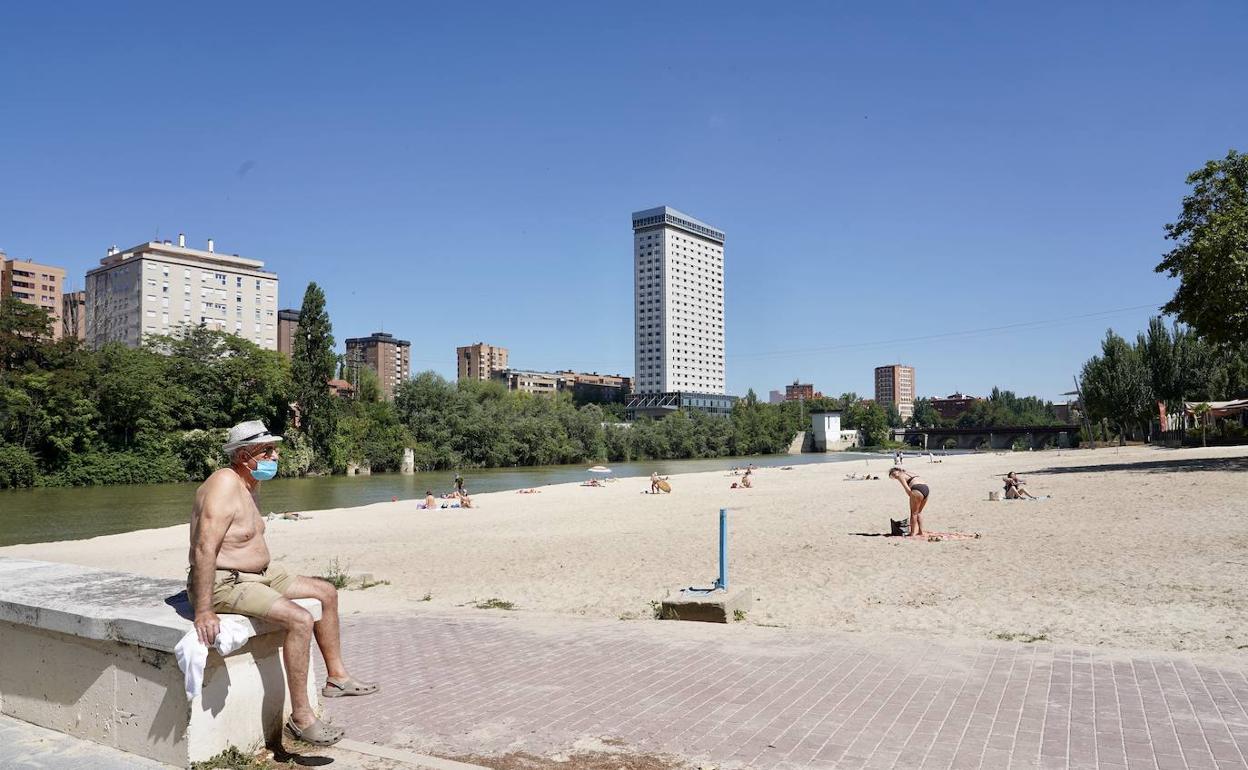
[225,508]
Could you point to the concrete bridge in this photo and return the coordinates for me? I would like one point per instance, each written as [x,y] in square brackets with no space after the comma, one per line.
[996,437]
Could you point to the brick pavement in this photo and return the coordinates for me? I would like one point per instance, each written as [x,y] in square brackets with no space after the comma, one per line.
[472,682]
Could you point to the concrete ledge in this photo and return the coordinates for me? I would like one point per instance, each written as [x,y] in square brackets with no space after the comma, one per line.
[89,653]
[707,606]
[102,605]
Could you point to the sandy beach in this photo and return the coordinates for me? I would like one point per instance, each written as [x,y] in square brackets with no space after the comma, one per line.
[1136,548]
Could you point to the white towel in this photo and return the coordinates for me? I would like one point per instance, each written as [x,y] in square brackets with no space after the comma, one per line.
[192,654]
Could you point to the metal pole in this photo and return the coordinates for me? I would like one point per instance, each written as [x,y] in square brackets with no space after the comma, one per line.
[722,583]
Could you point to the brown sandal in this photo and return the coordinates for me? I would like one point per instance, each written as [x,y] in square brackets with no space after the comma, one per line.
[318,733]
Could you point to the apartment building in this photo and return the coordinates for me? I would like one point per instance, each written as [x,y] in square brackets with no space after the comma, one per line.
[536,383]
[34,284]
[894,385]
[480,361]
[678,294]
[595,388]
[287,325]
[157,287]
[954,405]
[800,392]
[390,358]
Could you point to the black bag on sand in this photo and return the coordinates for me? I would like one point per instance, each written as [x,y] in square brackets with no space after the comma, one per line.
[900,528]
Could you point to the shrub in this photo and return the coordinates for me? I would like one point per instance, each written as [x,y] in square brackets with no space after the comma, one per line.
[296,456]
[17,467]
[94,468]
[199,452]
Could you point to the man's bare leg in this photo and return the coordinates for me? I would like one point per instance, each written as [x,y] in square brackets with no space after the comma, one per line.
[296,653]
[328,637]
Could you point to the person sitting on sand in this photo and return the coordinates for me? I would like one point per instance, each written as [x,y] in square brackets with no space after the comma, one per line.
[745,480]
[1014,487]
[464,500]
[430,502]
[918,492]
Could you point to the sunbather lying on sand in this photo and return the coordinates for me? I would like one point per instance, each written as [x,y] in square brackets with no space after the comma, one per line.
[528,491]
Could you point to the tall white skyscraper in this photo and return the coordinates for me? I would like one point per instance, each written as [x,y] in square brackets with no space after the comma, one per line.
[679,303]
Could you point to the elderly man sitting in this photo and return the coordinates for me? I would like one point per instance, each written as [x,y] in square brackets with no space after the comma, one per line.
[231,572]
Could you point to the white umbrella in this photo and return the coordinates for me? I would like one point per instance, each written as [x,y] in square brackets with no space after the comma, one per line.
[599,469]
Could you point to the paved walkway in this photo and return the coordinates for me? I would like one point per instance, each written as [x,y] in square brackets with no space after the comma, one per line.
[23,745]
[477,683]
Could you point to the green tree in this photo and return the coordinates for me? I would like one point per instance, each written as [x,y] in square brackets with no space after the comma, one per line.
[872,421]
[312,366]
[1210,258]
[25,333]
[894,416]
[17,467]
[925,415]
[1116,386]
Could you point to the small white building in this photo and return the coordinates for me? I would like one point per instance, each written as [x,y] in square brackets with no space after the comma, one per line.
[827,435]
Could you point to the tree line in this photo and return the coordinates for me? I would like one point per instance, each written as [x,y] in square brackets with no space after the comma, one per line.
[70,415]
[1203,355]
[1167,364]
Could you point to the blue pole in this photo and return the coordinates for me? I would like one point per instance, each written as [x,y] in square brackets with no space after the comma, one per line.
[722,583]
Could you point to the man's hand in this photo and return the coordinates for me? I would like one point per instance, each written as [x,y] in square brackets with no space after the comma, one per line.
[207,626]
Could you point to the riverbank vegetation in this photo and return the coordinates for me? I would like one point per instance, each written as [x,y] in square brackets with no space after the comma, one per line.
[70,415]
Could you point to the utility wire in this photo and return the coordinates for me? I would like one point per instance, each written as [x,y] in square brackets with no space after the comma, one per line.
[943,335]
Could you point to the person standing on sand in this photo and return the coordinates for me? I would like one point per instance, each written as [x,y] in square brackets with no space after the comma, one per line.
[918,492]
[231,571]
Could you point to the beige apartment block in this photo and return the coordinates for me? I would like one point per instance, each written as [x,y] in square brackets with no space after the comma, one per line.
[536,383]
[34,284]
[894,384]
[74,315]
[287,325]
[390,358]
[157,287]
[480,361]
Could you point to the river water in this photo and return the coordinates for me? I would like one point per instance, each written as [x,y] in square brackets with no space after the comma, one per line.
[74,513]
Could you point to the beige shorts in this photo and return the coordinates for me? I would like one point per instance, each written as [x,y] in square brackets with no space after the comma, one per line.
[248,593]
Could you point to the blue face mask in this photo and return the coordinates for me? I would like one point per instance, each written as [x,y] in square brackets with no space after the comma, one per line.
[264,470]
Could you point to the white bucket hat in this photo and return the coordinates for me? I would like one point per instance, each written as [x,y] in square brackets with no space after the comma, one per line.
[249,433]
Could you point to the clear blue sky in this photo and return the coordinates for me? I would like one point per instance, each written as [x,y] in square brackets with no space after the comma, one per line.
[460,172]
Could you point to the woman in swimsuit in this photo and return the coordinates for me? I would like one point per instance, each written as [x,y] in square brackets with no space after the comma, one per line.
[918,492]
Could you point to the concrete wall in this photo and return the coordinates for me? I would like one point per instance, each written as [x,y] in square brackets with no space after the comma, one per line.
[132,698]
